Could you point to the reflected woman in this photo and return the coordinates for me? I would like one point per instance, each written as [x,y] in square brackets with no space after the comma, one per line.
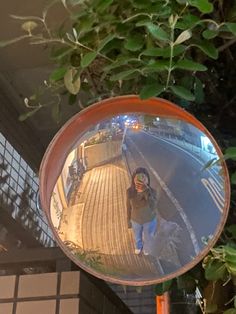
[142,210]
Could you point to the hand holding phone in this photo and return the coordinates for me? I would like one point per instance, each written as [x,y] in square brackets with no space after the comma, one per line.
[140,181]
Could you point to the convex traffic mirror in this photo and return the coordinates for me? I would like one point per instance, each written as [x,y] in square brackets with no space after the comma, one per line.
[127,193]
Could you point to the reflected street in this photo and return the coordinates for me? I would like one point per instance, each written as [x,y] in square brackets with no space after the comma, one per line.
[179,180]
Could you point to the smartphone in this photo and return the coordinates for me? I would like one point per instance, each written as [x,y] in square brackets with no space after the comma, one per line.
[140,177]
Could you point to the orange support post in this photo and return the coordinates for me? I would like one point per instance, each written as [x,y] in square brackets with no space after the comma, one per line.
[163,304]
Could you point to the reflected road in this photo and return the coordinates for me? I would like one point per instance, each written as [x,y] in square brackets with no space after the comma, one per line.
[180,184]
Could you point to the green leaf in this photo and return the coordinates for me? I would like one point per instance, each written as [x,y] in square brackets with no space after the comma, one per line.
[142,22]
[4,43]
[157,32]
[72,81]
[105,41]
[57,74]
[163,11]
[88,58]
[185,35]
[232,230]
[199,91]
[208,48]
[158,289]
[187,81]
[113,45]
[161,288]
[157,66]
[134,43]
[211,308]
[230,254]
[209,34]
[230,264]
[151,90]
[231,27]
[167,284]
[85,25]
[233,178]
[140,4]
[187,21]
[230,153]
[26,115]
[177,50]
[203,5]
[190,65]
[103,5]
[164,52]
[123,75]
[182,92]
[215,270]
[120,62]
[230,311]
[154,52]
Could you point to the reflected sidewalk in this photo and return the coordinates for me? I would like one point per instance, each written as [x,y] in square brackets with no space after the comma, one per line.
[98,212]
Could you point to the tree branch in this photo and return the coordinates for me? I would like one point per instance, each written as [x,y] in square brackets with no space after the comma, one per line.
[226,45]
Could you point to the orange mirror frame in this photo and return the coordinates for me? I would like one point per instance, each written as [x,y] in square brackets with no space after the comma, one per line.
[67,137]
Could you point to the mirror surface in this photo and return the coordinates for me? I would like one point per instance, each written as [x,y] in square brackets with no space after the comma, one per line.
[134,200]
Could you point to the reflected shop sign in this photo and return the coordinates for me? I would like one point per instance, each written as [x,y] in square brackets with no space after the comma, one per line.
[127,193]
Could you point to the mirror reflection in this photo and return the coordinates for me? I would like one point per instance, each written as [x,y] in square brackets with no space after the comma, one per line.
[134,200]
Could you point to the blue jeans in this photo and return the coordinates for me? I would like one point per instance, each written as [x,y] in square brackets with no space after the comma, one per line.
[143,233]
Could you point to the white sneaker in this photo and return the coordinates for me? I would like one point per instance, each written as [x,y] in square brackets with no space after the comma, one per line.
[145,253]
[137,251]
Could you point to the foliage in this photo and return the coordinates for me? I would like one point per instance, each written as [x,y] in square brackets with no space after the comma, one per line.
[123,47]
[218,268]
[92,259]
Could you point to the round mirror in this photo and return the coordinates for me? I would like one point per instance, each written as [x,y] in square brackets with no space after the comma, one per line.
[128,193]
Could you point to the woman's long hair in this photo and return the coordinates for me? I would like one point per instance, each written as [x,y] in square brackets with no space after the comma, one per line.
[138,171]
